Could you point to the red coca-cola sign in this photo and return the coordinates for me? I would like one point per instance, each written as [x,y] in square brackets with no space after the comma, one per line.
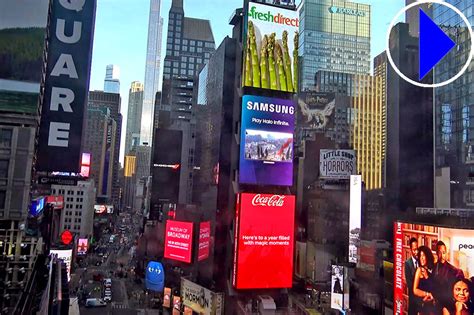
[268,200]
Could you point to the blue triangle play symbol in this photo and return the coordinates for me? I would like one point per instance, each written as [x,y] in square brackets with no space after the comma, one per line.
[434,44]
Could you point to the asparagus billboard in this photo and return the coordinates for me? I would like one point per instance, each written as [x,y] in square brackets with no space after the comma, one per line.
[271,48]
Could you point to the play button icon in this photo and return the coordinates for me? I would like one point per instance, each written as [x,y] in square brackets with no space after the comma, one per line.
[434,44]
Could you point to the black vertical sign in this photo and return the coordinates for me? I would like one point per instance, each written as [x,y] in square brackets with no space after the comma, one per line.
[66,86]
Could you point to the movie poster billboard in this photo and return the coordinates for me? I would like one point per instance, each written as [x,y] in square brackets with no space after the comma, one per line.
[66,256]
[266,141]
[176,305]
[337,164]
[82,246]
[167,297]
[339,288]
[178,240]
[316,110]
[355,216]
[270,48]
[204,240]
[265,241]
[433,268]
[200,299]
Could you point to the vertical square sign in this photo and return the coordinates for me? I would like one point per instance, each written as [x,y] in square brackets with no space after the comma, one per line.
[178,240]
[204,240]
[266,141]
[264,239]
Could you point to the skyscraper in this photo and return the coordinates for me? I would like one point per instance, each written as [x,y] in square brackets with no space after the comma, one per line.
[112,79]
[134,117]
[454,104]
[152,71]
[334,38]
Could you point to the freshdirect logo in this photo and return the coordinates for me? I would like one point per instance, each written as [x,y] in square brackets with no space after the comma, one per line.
[347,11]
[269,17]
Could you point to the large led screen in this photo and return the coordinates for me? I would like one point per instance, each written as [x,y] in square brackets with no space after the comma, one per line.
[271,48]
[178,240]
[432,269]
[266,141]
[66,256]
[339,288]
[204,240]
[264,239]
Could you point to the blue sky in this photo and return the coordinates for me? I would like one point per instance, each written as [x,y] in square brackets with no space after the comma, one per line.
[121,35]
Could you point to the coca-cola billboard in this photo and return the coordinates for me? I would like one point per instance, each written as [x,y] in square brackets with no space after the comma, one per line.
[263,255]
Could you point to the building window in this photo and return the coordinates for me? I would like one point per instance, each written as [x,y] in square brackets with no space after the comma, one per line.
[3,195]
[4,168]
[6,138]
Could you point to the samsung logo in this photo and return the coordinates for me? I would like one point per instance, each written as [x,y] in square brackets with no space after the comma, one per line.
[347,11]
[271,108]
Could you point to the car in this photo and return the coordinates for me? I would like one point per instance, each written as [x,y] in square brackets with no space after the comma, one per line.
[108,283]
[108,298]
[95,303]
[98,277]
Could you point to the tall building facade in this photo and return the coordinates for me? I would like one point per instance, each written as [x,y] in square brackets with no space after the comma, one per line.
[134,116]
[412,16]
[130,181]
[454,106]
[101,100]
[112,79]
[334,36]
[152,71]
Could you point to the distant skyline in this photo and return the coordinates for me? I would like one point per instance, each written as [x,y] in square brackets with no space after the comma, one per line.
[121,36]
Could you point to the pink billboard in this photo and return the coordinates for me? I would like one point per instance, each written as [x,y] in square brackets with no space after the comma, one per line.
[178,240]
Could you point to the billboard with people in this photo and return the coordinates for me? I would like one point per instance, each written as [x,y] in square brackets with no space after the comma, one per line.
[433,269]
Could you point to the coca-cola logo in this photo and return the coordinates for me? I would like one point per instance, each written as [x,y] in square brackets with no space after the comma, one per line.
[268,201]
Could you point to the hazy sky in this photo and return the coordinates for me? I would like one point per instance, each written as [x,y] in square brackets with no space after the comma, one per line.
[122,25]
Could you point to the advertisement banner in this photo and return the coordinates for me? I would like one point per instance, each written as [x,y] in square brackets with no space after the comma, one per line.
[176,305]
[265,241]
[37,206]
[167,297]
[103,209]
[204,240]
[339,288]
[271,48]
[315,110]
[196,297]
[337,164]
[433,268]
[82,246]
[56,201]
[66,256]
[266,141]
[155,276]
[355,213]
[66,86]
[178,240]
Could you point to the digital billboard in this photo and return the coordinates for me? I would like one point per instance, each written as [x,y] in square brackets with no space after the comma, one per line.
[271,48]
[433,266]
[355,216]
[339,288]
[167,297]
[266,141]
[66,85]
[155,276]
[82,246]
[264,238]
[66,256]
[204,240]
[56,201]
[178,240]
[315,110]
[103,209]
[337,164]
[176,305]
[37,206]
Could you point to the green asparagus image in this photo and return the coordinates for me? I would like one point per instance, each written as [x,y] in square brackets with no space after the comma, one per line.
[271,61]
[264,63]
[247,74]
[287,62]
[281,69]
[295,63]
[254,55]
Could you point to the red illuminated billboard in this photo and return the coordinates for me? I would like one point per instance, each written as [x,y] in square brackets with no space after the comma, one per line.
[204,240]
[56,201]
[264,239]
[178,240]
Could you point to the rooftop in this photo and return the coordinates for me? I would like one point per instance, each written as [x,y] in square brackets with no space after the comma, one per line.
[198,29]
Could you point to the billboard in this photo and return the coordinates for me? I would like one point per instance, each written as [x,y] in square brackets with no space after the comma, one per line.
[103,209]
[264,240]
[178,240]
[204,240]
[37,206]
[339,288]
[432,265]
[176,305]
[82,245]
[355,213]
[266,141]
[56,201]
[155,276]
[66,256]
[271,48]
[315,110]
[337,164]
[167,297]
[66,85]
[198,298]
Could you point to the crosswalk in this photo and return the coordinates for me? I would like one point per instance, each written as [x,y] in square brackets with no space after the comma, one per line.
[116,305]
